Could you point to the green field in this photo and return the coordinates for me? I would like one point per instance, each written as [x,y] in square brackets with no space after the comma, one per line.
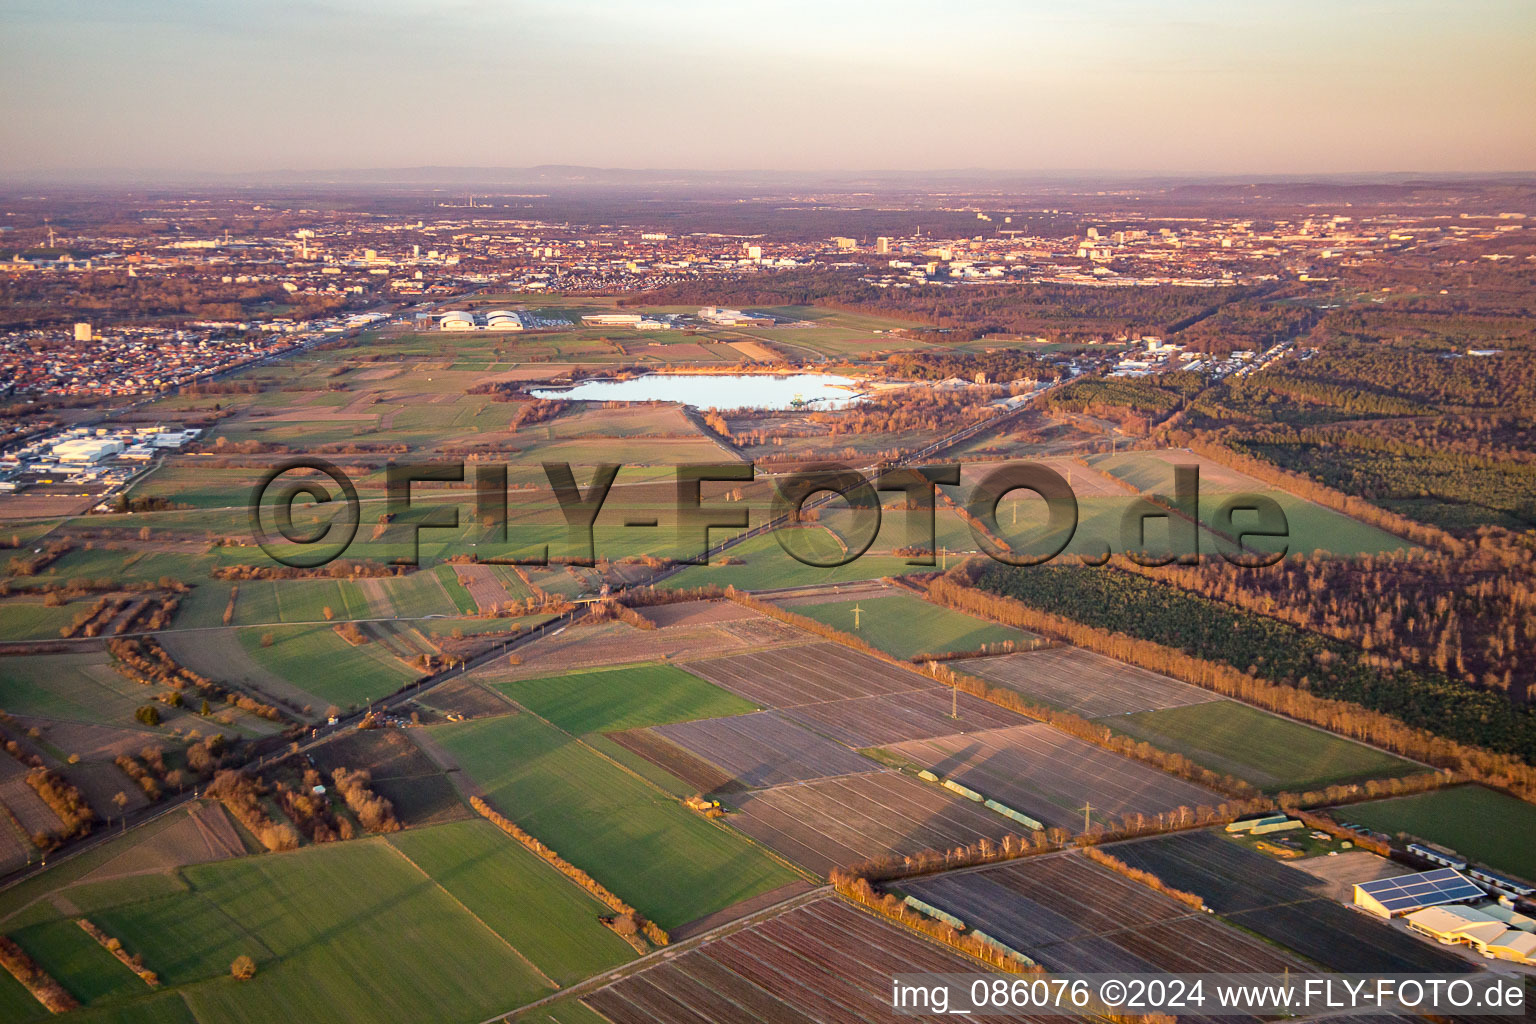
[671,864]
[1271,752]
[521,898]
[28,619]
[320,662]
[261,601]
[1480,824]
[767,566]
[1311,526]
[626,697]
[905,625]
[95,975]
[454,922]
[80,687]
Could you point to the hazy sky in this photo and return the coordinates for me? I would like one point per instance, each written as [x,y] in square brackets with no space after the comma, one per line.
[1247,86]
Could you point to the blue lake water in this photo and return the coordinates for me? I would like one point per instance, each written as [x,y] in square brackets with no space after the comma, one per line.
[719,391]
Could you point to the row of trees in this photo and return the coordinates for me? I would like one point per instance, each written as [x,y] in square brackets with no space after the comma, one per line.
[1502,770]
[43,986]
[65,800]
[376,813]
[892,867]
[602,893]
[145,661]
[32,564]
[1148,608]
[241,794]
[1074,725]
[1145,878]
[133,961]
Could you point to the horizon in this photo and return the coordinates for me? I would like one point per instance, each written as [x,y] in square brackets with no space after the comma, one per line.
[459,176]
[1194,89]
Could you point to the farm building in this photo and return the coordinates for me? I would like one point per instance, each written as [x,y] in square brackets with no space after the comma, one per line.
[1394,897]
[1438,855]
[1503,883]
[1265,825]
[1491,936]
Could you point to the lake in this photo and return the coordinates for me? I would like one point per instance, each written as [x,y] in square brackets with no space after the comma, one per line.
[720,390]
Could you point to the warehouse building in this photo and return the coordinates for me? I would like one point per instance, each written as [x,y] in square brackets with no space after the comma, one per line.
[503,320]
[1502,883]
[734,318]
[1438,855]
[1405,894]
[457,321]
[86,449]
[612,319]
[1494,932]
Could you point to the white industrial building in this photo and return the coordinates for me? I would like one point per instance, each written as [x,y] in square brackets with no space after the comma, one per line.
[733,318]
[503,320]
[86,449]
[612,319]
[457,321]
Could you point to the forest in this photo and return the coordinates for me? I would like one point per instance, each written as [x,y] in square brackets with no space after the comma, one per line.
[1258,645]
[1057,313]
[1471,617]
[34,300]
[1000,365]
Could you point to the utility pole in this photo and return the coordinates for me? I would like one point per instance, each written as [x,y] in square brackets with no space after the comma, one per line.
[1087,822]
[857,611]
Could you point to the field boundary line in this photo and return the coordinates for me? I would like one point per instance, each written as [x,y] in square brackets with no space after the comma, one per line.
[672,799]
[659,956]
[737,833]
[478,919]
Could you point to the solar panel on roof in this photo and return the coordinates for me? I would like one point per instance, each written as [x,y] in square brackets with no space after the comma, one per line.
[1425,889]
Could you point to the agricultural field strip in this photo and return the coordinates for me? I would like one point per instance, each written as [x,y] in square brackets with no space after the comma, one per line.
[1035,768]
[892,718]
[582,840]
[840,821]
[764,749]
[826,961]
[1050,905]
[1086,683]
[1259,746]
[612,643]
[1281,904]
[855,699]
[690,613]
[807,674]
[668,756]
[464,908]
[1482,824]
[34,815]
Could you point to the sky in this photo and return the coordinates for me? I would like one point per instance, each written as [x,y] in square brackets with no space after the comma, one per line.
[1181,86]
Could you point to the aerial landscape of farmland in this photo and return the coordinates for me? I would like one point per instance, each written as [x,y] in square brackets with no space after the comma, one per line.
[767,514]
